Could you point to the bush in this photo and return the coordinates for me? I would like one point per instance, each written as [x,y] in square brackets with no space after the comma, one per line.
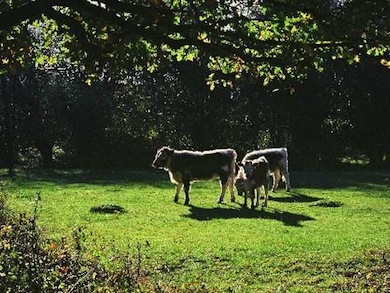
[31,263]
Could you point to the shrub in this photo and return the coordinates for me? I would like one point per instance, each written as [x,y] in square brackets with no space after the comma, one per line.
[31,263]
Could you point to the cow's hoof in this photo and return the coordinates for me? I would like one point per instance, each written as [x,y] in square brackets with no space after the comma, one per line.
[186,203]
[176,199]
[233,200]
[288,190]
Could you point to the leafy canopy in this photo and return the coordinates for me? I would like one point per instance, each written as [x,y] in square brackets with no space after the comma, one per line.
[267,38]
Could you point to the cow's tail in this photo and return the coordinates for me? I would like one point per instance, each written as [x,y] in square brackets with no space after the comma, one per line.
[233,157]
[233,164]
[285,153]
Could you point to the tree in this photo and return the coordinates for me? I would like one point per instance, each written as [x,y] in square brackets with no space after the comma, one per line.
[271,39]
[95,55]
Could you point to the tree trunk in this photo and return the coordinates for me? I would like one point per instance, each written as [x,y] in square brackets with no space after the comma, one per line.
[8,123]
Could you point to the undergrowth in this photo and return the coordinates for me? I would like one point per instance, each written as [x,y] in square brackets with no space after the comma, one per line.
[31,263]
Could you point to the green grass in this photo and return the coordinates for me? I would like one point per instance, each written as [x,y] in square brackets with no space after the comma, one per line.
[308,238]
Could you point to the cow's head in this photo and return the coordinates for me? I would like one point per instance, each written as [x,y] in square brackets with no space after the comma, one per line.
[240,179]
[249,166]
[162,158]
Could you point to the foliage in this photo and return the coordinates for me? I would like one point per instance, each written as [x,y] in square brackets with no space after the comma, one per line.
[56,119]
[270,39]
[104,83]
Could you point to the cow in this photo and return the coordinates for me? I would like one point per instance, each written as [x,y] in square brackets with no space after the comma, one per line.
[240,180]
[185,167]
[250,177]
[278,164]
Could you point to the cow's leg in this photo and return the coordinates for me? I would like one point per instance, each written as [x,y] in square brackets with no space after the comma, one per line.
[265,203]
[285,173]
[257,196]
[266,187]
[178,189]
[276,177]
[223,190]
[287,178]
[223,182]
[231,188]
[187,192]
[245,199]
[253,198]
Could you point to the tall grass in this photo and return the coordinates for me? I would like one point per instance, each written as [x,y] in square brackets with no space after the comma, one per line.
[332,227]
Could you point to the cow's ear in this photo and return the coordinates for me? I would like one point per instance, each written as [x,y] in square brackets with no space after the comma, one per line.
[248,162]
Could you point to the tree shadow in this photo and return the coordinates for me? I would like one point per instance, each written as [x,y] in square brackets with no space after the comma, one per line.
[294,197]
[207,214]
[108,209]
[90,176]
[327,204]
[363,179]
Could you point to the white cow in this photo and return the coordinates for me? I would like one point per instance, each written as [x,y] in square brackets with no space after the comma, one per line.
[278,164]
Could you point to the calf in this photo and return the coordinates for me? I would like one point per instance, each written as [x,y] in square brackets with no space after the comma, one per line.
[240,180]
[250,177]
[186,166]
[278,164]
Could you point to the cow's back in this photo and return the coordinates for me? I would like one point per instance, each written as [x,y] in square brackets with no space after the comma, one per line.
[273,156]
[203,165]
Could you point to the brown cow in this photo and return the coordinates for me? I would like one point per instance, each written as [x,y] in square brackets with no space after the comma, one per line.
[251,176]
[186,166]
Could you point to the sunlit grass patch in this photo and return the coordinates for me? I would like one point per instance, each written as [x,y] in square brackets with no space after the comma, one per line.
[300,241]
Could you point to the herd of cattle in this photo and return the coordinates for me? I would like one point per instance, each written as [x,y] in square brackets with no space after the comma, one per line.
[248,176]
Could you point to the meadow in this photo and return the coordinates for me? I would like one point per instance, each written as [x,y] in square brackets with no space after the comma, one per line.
[330,233]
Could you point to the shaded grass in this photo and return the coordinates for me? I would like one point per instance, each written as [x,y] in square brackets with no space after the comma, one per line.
[328,204]
[301,240]
[207,214]
[108,209]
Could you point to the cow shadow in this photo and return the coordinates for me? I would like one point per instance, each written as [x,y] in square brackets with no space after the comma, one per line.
[207,214]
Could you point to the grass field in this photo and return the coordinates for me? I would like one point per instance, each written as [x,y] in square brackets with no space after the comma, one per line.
[332,232]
